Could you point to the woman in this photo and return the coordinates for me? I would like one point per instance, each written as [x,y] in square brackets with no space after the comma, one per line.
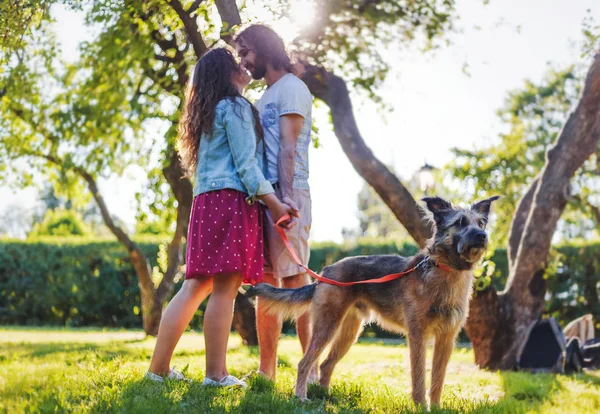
[221,143]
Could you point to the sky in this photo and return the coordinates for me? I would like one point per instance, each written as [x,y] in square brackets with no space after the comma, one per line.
[437,104]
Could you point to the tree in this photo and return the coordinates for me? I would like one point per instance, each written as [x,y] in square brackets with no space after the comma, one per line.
[163,39]
[180,32]
[534,115]
[69,128]
[498,320]
[17,19]
[157,42]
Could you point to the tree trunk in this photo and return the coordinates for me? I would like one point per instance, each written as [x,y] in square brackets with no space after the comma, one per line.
[182,190]
[484,326]
[518,222]
[230,16]
[151,313]
[333,91]
[497,322]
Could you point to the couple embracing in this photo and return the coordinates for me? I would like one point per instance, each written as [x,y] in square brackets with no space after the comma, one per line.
[243,158]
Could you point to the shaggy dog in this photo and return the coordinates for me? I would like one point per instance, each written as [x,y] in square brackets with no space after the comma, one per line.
[430,301]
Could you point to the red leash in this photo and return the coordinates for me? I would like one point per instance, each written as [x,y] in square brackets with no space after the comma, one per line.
[320,278]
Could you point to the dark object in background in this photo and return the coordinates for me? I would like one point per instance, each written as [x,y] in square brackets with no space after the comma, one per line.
[591,353]
[574,357]
[544,349]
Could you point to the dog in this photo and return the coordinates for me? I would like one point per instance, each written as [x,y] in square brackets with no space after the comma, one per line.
[430,301]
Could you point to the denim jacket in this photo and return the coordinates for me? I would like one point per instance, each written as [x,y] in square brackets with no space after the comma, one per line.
[230,157]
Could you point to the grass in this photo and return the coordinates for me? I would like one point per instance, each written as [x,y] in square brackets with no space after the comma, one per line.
[64,370]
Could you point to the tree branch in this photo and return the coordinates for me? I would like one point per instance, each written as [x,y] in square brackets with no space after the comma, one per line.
[160,78]
[93,187]
[230,16]
[178,60]
[367,4]
[333,91]
[518,222]
[139,261]
[164,58]
[162,42]
[191,28]
[194,6]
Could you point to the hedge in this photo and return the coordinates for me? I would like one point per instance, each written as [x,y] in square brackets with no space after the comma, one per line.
[81,282]
[74,282]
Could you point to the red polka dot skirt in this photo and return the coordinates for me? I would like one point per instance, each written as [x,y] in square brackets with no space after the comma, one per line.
[225,235]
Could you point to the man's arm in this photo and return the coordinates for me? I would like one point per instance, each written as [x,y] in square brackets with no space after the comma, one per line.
[290,126]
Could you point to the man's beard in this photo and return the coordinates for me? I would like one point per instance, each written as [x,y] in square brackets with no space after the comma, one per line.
[259,70]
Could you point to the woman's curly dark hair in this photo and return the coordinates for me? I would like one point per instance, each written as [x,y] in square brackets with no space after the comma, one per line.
[211,82]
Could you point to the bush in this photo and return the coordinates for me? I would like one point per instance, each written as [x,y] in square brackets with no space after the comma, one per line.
[60,222]
[69,282]
[324,254]
[80,282]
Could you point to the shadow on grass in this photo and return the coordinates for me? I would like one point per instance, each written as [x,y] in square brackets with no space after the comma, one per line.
[40,350]
[133,341]
[105,351]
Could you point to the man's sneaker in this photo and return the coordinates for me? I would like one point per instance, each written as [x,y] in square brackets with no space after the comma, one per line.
[228,381]
[174,375]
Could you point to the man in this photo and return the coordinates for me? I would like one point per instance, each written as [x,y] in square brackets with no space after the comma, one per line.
[285,112]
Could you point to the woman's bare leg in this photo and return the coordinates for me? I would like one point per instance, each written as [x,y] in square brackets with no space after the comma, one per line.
[217,323]
[175,319]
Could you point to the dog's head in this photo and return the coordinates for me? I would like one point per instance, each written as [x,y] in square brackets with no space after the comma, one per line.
[460,235]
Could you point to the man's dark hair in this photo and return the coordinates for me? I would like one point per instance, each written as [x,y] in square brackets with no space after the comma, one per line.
[268,45]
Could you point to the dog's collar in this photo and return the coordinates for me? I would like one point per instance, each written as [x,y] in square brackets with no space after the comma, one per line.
[440,265]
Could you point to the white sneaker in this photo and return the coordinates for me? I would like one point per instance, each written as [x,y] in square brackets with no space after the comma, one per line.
[228,381]
[174,375]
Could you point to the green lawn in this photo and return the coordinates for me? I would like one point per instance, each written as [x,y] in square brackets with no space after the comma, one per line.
[48,370]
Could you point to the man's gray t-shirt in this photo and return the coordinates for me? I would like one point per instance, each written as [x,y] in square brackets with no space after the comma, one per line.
[289,95]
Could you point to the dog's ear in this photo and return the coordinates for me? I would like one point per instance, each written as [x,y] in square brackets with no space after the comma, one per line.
[438,206]
[483,207]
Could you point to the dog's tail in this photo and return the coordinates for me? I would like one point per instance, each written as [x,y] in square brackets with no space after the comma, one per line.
[288,303]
